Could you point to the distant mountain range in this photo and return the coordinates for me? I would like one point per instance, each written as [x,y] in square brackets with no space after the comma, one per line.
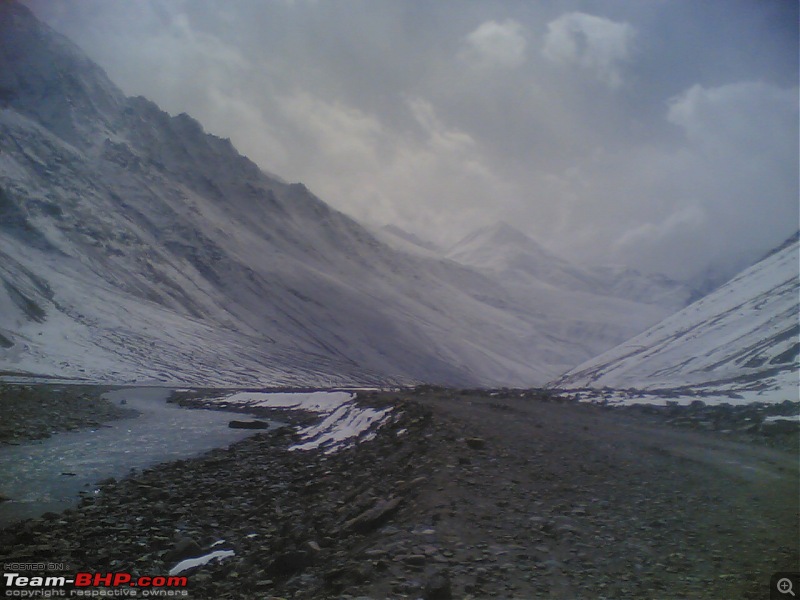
[743,338]
[134,247]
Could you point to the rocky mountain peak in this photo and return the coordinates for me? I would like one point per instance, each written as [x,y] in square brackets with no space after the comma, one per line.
[47,78]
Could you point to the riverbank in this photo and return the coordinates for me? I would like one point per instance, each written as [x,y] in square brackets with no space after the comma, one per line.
[34,412]
[459,494]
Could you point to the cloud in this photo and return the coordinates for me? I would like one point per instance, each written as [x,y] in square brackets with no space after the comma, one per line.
[439,117]
[415,176]
[596,44]
[722,195]
[748,116]
[495,44]
[649,237]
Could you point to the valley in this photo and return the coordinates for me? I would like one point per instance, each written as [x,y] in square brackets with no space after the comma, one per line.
[464,415]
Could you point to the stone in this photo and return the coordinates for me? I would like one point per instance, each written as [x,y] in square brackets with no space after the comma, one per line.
[438,587]
[374,517]
[475,443]
[185,547]
[416,560]
[780,427]
[290,562]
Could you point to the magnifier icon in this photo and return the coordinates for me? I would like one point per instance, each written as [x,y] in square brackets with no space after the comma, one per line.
[785,586]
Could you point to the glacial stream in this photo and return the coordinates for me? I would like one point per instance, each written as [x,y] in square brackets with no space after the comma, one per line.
[49,475]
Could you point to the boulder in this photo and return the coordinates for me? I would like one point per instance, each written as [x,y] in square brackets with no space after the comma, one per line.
[184,548]
[374,517]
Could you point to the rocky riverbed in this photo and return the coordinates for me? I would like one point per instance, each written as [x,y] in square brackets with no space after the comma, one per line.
[459,495]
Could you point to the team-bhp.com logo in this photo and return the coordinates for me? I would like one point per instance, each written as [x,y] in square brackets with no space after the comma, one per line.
[93,585]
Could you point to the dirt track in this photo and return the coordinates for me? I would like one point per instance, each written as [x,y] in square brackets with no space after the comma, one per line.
[576,501]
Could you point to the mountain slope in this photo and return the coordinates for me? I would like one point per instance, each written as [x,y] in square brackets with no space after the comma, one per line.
[151,250]
[402,240]
[514,257]
[136,247]
[742,337]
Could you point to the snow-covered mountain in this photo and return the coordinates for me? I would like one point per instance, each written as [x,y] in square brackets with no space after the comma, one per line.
[743,339]
[136,247]
[582,307]
[506,252]
[404,241]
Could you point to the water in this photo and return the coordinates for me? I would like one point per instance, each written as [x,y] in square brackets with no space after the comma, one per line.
[48,475]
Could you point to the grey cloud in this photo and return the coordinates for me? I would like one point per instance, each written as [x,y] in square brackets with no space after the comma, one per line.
[659,134]
[495,44]
[594,43]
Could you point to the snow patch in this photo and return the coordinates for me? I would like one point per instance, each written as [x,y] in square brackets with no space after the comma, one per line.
[191,563]
[319,402]
[773,391]
[776,418]
[347,422]
[343,422]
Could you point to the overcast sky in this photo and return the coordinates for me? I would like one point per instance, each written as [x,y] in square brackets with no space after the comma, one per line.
[662,134]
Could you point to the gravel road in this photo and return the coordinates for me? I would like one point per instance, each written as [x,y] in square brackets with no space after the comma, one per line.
[460,495]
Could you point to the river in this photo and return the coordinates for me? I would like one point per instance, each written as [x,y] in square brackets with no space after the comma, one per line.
[50,474]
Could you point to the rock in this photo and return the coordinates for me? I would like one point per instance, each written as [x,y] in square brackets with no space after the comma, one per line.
[438,587]
[475,443]
[780,427]
[374,517]
[290,562]
[416,560]
[185,548]
[248,425]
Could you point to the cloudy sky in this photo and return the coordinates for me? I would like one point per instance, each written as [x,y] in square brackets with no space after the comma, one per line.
[661,134]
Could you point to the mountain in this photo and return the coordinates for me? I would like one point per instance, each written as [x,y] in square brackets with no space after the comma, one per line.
[580,308]
[407,242]
[511,255]
[410,237]
[502,248]
[135,247]
[743,338]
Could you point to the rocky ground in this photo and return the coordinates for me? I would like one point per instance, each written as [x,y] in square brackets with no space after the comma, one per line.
[747,423]
[34,412]
[461,495]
